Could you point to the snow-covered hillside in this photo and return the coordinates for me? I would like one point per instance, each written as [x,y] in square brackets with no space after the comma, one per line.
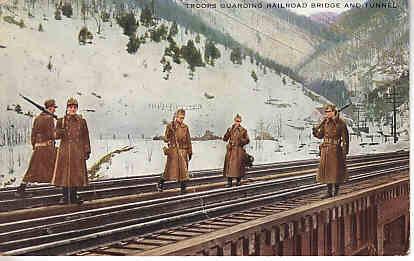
[132,89]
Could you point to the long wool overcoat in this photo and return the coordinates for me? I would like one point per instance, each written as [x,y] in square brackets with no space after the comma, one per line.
[333,150]
[234,165]
[179,144]
[70,168]
[42,162]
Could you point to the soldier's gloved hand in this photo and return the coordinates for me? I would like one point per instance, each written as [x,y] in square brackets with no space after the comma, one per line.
[190,156]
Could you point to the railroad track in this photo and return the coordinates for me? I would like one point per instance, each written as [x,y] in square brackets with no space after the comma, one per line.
[70,233]
[46,195]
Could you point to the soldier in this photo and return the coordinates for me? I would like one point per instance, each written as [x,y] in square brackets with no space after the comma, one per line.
[70,171]
[234,165]
[43,158]
[333,150]
[179,151]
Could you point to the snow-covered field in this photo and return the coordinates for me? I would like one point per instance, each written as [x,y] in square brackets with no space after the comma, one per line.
[147,157]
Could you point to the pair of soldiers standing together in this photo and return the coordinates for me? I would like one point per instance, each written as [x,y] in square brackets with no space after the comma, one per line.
[66,166]
[179,152]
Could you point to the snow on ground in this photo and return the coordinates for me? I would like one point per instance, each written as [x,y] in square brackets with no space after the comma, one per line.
[207,155]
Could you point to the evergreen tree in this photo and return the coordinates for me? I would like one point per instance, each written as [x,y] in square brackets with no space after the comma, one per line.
[163,60]
[21,23]
[58,15]
[67,10]
[133,44]
[254,76]
[84,35]
[167,67]
[146,17]
[173,51]
[105,16]
[159,34]
[191,55]
[173,30]
[235,56]
[211,52]
[128,23]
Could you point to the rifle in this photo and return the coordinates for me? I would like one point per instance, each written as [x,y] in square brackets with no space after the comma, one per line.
[344,107]
[40,107]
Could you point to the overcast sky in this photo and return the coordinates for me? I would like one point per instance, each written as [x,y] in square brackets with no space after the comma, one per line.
[309,10]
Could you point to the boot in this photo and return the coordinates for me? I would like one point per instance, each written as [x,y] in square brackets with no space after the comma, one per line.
[329,192]
[336,193]
[238,183]
[21,190]
[229,182]
[74,197]
[183,186]
[65,199]
[160,185]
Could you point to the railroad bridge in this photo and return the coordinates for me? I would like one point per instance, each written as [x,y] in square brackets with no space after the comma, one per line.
[279,210]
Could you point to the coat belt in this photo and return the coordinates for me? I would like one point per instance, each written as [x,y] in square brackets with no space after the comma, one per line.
[44,143]
[331,141]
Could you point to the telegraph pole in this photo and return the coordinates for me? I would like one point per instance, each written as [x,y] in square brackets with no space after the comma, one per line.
[394,98]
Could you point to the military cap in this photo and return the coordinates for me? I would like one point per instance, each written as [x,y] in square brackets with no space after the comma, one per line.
[72,101]
[50,103]
[238,116]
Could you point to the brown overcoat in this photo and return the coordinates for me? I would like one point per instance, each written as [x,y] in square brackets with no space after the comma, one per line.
[333,150]
[43,158]
[70,168]
[234,165]
[179,144]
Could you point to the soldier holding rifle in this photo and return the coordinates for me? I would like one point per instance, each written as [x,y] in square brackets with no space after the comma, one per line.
[70,171]
[333,150]
[43,158]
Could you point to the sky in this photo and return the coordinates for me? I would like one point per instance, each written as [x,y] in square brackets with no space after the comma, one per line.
[309,11]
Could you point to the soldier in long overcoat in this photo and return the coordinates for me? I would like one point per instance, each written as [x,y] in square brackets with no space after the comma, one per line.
[42,162]
[333,150]
[70,171]
[234,165]
[179,151]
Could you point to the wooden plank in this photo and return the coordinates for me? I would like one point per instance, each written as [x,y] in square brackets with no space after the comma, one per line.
[239,247]
[334,237]
[321,235]
[139,246]
[227,249]
[211,226]
[186,233]
[252,244]
[157,242]
[288,247]
[305,243]
[172,238]
[348,234]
